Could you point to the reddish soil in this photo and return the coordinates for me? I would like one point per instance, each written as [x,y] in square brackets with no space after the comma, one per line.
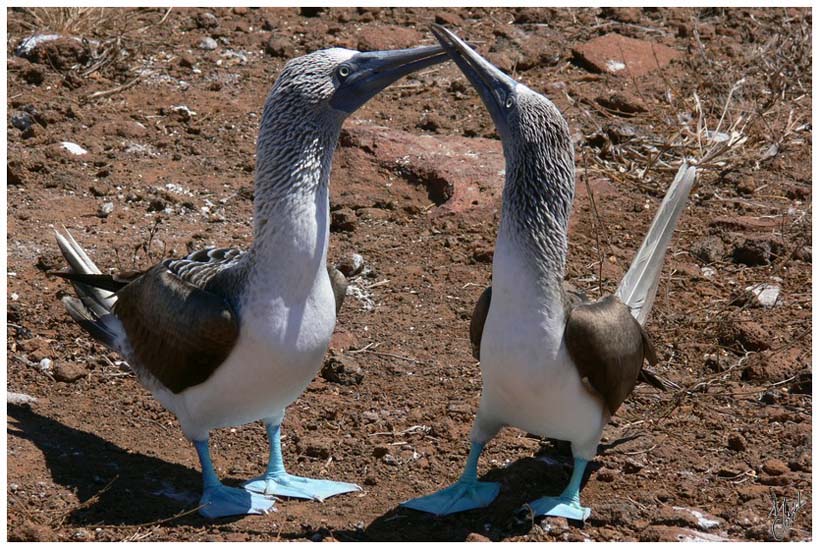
[97,458]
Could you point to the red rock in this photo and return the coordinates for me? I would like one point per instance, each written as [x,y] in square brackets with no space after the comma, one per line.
[387,37]
[775,467]
[617,54]
[449,19]
[476,537]
[459,173]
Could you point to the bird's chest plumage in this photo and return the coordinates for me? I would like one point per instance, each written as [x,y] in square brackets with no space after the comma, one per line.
[529,379]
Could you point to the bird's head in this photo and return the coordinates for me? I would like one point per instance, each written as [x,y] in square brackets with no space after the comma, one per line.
[338,81]
[523,118]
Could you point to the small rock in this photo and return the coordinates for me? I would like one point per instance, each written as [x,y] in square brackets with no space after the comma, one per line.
[343,219]
[60,52]
[709,250]
[767,295]
[736,443]
[206,20]
[749,335]
[19,399]
[746,186]
[182,112]
[342,369]
[380,451]
[390,460]
[45,364]
[207,44]
[775,467]
[278,46]
[73,148]
[622,103]
[449,19]
[105,209]
[476,537]
[22,121]
[625,15]
[632,466]
[69,372]
[351,264]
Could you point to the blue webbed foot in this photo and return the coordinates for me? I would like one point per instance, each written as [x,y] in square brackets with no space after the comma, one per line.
[219,501]
[286,485]
[459,497]
[568,503]
[559,506]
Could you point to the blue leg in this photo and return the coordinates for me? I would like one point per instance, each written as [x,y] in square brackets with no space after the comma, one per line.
[465,494]
[276,481]
[568,503]
[220,501]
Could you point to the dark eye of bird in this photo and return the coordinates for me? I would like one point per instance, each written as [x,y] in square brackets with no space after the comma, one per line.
[344,71]
[510,101]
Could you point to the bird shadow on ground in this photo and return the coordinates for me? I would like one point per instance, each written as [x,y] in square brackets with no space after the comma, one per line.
[521,482]
[114,486]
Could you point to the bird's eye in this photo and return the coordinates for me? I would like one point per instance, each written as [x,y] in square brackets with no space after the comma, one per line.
[344,71]
[510,102]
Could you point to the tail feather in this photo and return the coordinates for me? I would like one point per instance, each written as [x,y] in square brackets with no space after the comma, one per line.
[640,284]
[79,262]
[92,310]
[97,327]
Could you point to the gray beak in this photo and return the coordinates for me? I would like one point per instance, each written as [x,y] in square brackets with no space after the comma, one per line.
[371,72]
[492,85]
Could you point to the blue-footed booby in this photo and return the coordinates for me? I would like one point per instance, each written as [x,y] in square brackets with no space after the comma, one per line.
[224,337]
[552,363]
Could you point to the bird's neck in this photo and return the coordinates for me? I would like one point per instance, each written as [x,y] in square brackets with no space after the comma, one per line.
[537,201]
[291,210]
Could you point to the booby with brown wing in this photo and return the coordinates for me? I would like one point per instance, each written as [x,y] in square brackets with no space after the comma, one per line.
[225,337]
[552,363]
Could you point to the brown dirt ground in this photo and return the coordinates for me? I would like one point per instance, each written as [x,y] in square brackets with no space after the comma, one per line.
[97,458]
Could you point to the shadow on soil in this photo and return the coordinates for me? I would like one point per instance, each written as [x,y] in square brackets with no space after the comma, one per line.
[114,486]
[523,481]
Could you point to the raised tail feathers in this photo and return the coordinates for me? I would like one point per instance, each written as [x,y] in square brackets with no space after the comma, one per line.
[92,310]
[640,284]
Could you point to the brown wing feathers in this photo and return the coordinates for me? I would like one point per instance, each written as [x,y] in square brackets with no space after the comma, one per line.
[178,332]
[608,346]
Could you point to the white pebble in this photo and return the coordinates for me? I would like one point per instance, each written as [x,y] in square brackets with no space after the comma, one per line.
[767,295]
[73,148]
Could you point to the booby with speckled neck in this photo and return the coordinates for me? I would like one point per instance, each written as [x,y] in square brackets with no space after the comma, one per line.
[224,337]
[552,363]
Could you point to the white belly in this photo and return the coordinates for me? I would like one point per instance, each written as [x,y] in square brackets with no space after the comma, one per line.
[530,382]
[279,351]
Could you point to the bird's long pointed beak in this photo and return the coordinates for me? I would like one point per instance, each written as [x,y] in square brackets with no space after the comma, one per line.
[492,85]
[371,72]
